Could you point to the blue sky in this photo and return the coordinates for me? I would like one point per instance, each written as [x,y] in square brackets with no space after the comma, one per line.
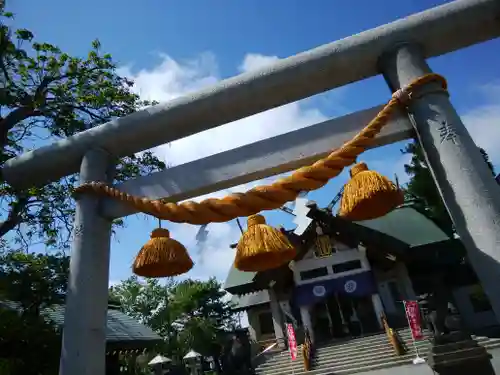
[173,47]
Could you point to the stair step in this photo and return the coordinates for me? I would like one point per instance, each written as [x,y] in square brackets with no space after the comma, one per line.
[340,352]
[358,358]
[365,368]
[353,356]
[339,362]
[336,350]
[347,371]
[348,357]
[360,361]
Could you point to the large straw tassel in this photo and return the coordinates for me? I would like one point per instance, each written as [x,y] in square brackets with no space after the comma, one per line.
[162,256]
[368,195]
[262,247]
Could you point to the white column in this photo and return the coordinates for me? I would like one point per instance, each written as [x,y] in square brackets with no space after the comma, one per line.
[253,324]
[305,315]
[379,308]
[277,318]
[365,263]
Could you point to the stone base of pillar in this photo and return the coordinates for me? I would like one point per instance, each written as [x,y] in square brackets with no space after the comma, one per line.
[458,354]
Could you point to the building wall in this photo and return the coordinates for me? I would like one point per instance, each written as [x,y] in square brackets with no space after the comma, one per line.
[258,315]
[340,264]
[342,255]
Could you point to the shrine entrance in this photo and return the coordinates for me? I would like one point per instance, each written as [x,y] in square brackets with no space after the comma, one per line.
[341,316]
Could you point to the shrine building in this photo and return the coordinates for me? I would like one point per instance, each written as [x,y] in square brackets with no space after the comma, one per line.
[347,275]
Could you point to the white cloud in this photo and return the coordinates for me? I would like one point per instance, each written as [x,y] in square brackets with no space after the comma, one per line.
[484,126]
[255,61]
[393,168]
[483,121]
[171,79]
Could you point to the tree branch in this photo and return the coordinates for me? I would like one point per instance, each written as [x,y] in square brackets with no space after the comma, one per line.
[14,117]
[14,218]
[44,84]
[3,48]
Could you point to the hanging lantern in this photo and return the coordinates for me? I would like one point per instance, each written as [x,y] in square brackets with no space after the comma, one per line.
[368,195]
[262,247]
[162,256]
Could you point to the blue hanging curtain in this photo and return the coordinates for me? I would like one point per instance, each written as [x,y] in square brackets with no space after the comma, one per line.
[360,284]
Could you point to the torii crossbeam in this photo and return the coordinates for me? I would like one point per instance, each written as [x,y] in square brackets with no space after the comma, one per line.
[397,50]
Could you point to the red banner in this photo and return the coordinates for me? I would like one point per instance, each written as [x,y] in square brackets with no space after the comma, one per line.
[413,316]
[292,342]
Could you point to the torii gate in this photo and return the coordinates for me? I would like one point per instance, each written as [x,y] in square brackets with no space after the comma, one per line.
[397,50]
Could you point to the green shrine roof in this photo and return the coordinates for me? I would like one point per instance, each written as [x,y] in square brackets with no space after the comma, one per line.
[407,225]
[122,331]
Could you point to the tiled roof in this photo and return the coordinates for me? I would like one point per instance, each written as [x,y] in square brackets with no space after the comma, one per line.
[239,282]
[120,327]
[407,225]
[253,299]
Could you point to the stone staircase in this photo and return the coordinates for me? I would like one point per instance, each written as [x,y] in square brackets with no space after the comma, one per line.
[353,356]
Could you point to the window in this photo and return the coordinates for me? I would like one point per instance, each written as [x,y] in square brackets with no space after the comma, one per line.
[314,273]
[266,323]
[347,266]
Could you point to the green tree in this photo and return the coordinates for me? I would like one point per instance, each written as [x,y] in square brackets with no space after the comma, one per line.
[422,190]
[189,314]
[147,301]
[47,94]
[202,314]
[30,284]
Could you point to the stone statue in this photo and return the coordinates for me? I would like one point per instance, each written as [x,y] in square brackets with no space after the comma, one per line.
[438,310]
[438,317]
[444,357]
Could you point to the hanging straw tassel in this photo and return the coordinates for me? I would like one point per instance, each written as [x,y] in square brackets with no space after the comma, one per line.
[262,247]
[368,195]
[162,256]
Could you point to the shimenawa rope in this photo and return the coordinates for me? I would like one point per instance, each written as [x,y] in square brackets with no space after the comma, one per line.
[279,192]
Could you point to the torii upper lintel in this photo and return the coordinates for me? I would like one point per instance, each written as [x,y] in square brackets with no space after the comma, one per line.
[439,30]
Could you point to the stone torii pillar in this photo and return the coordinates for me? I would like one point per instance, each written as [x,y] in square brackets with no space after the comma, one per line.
[470,193]
[84,337]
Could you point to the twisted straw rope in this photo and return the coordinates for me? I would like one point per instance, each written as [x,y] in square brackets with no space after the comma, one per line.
[276,194]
